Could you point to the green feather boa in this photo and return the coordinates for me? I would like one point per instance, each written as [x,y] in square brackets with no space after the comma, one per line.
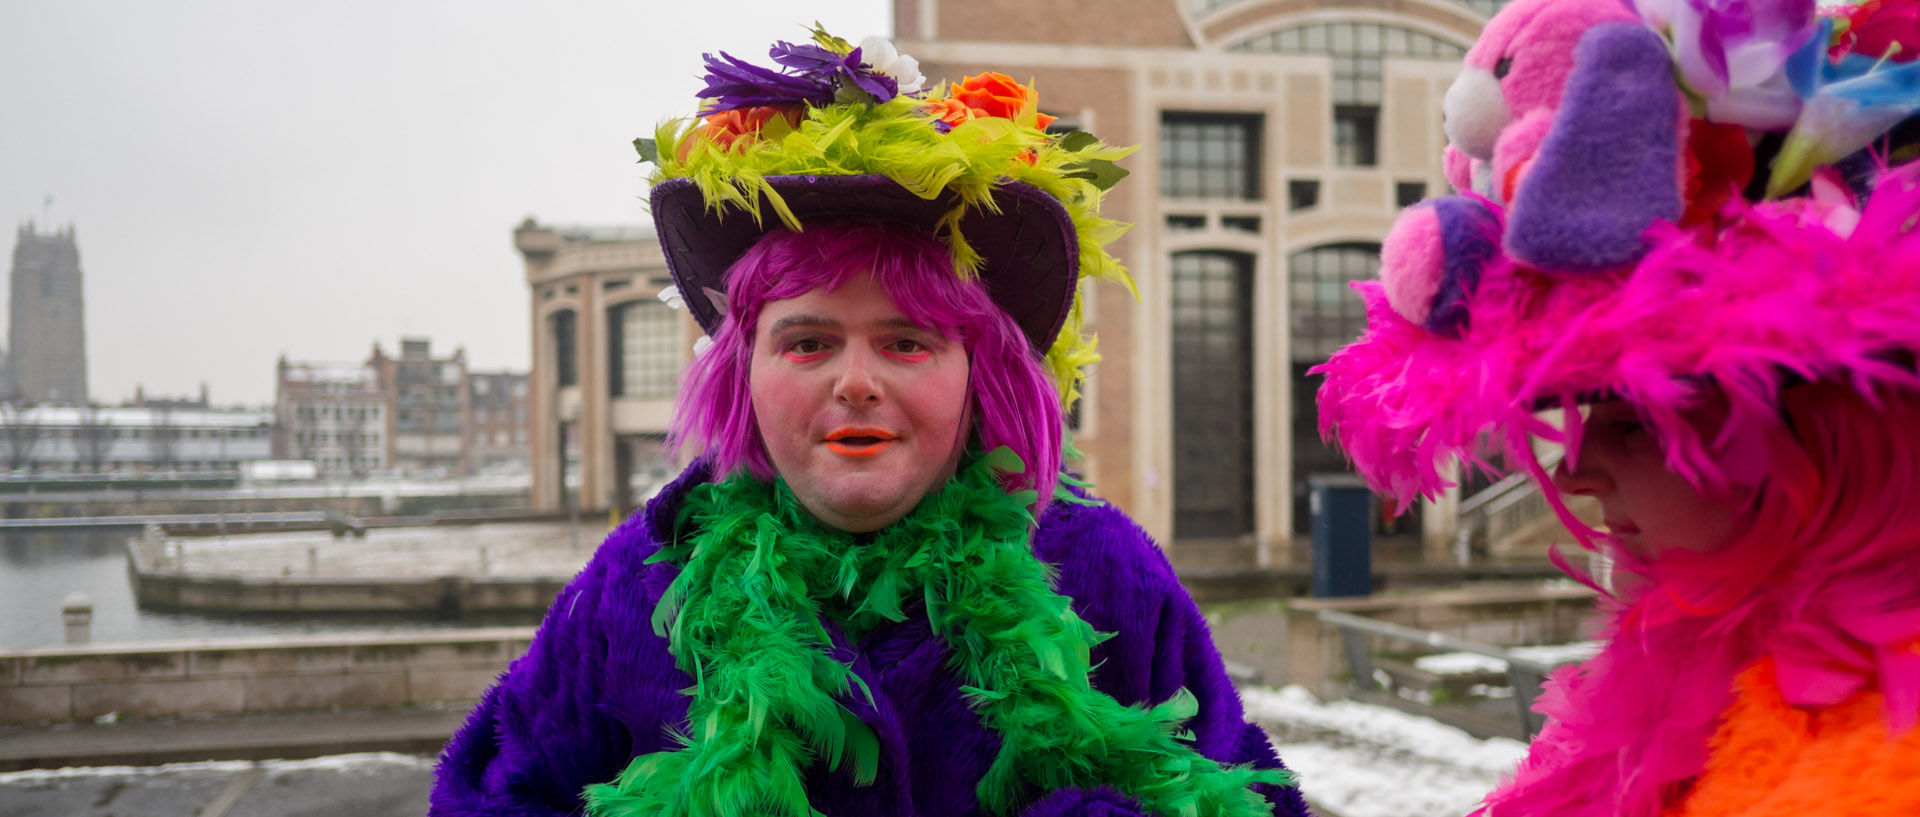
[743,618]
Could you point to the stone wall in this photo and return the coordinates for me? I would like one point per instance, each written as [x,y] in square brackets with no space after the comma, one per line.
[253,675]
[1283,641]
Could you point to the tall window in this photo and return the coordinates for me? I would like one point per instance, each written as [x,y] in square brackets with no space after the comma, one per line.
[1326,313]
[645,354]
[1356,131]
[565,347]
[1212,156]
[1326,316]
[1213,394]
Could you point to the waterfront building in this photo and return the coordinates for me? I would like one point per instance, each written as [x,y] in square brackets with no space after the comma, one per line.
[334,414]
[607,355]
[48,439]
[46,329]
[497,434]
[426,408]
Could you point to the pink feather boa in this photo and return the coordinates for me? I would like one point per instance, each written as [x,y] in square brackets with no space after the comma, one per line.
[1811,290]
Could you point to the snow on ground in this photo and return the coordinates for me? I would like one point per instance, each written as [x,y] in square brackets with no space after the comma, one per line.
[337,763]
[1463,663]
[1358,760]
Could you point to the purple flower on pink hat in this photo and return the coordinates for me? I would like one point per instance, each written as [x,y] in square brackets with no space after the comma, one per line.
[1730,54]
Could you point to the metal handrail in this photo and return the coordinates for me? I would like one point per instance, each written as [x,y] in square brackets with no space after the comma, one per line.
[1526,675]
[1506,485]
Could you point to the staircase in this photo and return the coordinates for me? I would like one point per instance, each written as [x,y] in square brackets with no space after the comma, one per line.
[1512,520]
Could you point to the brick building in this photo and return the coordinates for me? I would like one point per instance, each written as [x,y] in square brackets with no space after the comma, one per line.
[334,414]
[497,427]
[426,409]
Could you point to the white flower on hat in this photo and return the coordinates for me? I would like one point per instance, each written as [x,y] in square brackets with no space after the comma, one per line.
[670,295]
[879,54]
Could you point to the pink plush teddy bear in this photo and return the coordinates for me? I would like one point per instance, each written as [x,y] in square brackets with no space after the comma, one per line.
[1567,125]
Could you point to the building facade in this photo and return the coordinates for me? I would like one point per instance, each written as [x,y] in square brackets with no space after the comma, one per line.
[426,417]
[1278,139]
[163,438]
[607,355]
[497,433]
[46,330]
[333,414]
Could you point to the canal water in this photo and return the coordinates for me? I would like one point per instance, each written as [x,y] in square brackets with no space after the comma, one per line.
[38,569]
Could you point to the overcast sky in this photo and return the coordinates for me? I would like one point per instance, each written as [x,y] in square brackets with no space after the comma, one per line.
[252,178]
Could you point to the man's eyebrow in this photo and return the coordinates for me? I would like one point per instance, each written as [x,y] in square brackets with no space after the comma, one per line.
[802,321]
[824,322]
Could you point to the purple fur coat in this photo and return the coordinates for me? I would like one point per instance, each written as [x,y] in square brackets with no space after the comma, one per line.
[598,688]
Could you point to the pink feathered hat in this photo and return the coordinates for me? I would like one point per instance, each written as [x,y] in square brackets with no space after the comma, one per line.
[1808,289]
[1584,280]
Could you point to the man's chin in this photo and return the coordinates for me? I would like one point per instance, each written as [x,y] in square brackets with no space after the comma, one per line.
[861,505]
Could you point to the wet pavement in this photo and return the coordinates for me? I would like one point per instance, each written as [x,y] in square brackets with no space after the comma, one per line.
[361,785]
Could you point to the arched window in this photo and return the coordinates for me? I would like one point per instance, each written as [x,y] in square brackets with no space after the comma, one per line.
[1326,313]
[1357,50]
[1212,394]
[1485,8]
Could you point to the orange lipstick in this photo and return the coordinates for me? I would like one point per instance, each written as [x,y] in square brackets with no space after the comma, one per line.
[859,443]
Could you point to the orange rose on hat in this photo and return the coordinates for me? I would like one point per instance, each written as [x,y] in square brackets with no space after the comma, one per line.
[996,94]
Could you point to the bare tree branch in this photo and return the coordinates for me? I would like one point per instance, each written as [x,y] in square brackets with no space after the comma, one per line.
[19,434]
[93,438]
[164,438]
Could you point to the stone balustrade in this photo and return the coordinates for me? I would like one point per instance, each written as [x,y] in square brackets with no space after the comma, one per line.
[242,676]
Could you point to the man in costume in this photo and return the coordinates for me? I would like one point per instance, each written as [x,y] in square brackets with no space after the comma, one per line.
[1690,254]
[875,592]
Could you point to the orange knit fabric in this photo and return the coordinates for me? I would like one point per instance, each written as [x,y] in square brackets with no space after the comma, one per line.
[1770,759]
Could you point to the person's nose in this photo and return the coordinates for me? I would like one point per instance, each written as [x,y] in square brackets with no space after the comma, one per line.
[857,385]
[1588,477]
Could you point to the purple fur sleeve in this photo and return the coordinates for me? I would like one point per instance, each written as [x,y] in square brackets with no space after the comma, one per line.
[1122,583]
[559,719]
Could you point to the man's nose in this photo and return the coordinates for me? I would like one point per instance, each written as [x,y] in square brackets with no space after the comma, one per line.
[857,385]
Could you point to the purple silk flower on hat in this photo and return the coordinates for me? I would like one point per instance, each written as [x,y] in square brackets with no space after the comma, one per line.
[1730,54]
[842,70]
[812,75]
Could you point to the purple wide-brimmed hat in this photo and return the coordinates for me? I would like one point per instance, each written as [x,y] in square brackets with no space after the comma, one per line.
[1030,254]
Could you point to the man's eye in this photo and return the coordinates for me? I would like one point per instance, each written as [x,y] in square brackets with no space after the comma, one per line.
[908,347]
[807,347]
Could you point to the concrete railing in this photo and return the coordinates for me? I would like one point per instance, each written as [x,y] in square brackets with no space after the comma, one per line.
[1283,641]
[253,675]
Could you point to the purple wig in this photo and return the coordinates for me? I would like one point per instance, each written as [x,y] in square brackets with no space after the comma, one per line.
[1014,403]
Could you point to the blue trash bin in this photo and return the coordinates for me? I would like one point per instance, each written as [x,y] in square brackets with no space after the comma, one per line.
[1342,512]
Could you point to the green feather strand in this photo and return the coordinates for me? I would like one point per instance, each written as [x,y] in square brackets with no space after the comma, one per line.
[757,572]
